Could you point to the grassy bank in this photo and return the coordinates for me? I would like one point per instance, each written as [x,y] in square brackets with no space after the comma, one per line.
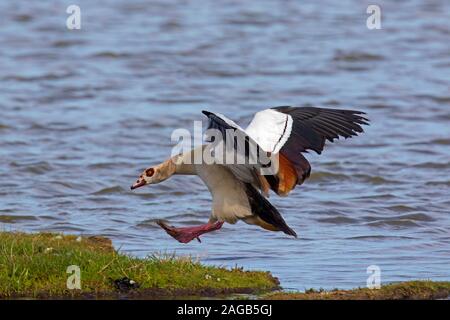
[35,265]
[426,290]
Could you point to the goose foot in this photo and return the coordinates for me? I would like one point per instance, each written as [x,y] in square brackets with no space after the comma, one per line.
[187,234]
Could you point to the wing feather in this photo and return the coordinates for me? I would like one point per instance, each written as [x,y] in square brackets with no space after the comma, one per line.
[288,131]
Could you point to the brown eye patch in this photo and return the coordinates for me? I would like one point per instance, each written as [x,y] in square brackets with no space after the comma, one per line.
[149,172]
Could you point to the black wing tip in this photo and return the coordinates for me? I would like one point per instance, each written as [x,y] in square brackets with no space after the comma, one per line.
[290,232]
[358,116]
[206,113]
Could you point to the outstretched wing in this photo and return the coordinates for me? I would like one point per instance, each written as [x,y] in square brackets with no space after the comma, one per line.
[288,131]
[303,128]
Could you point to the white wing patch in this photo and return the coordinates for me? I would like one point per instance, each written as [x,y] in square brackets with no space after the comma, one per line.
[270,129]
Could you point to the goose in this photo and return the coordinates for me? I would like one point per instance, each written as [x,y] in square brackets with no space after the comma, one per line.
[240,190]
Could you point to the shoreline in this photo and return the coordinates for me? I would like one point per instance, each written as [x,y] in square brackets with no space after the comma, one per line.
[408,290]
[44,266]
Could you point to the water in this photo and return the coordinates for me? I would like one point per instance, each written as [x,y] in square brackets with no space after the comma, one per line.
[83,112]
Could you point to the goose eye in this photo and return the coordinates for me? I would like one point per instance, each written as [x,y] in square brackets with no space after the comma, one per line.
[149,172]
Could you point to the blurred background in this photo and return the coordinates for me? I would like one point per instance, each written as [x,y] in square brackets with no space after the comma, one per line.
[82,112]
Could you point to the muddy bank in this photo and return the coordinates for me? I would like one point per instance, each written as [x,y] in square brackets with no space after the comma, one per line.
[409,290]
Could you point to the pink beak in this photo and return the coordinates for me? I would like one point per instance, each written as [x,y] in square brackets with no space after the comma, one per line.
[138,184]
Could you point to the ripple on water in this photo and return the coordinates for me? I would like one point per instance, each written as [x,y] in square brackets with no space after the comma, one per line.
[433,165]
[111,55]
[61,127]
[322,176]
[67,43]
[438,183]
[8,218]
[379,237]
[435,98]
[22,17]
[376,180]
[110,190]
[409,216]
[440,141]
[356,56]
[401,208]
[64,227]
[40,167]
[394,223]
[379,196]
[401,221]
[107,165]
[338,220]
[191,217]
[47,76]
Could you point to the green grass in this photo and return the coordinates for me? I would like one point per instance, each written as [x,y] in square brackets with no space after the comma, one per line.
[426,290]
[35,265]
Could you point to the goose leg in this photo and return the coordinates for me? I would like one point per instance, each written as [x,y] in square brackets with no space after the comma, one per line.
[186,234]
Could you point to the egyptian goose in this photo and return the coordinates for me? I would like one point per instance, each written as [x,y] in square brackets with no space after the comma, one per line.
[240,189]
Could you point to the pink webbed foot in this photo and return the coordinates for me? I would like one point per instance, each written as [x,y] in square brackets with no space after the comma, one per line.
[187,234]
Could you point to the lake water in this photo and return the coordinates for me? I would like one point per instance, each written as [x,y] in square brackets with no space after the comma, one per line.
[84,111]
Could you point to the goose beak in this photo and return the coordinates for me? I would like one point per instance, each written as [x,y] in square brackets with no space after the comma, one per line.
[137,184]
